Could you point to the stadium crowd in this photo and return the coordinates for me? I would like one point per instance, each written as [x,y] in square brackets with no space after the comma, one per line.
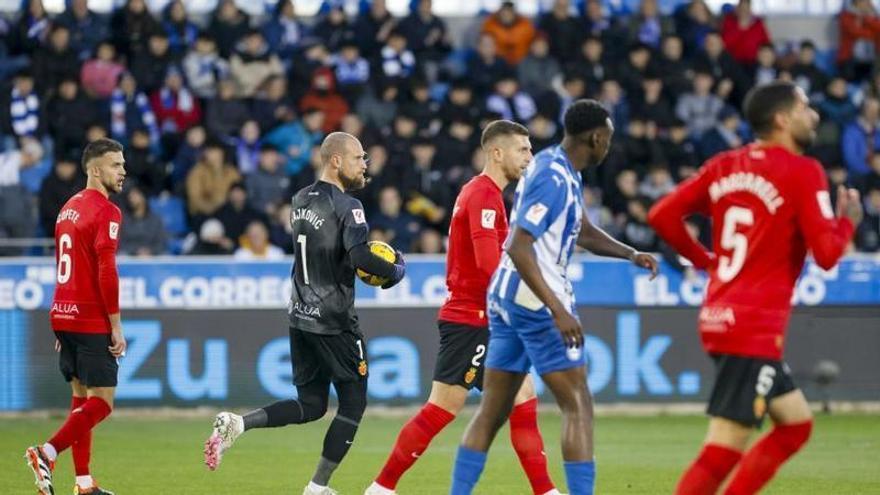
[221,116]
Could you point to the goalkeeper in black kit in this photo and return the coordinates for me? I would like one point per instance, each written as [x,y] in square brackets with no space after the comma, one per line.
[327,347]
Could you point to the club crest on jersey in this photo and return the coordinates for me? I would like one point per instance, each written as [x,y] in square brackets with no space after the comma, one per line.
[536,213]
[358,215]
[362,368]
[114,230]
[487,219]
[759,407]
[470,375]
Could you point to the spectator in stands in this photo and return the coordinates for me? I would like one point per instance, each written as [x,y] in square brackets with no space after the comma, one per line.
[639,146]
[485,66]
[180,31]
[379,174]
[509,102]
[400,227]
[693,21]
[144,234]
[744,33]
[425,186]
[657,183]
[556,101]
[16,215]
[723,136]
[296,138]
[176,109]
[130,109]
[539,69]
[212,240]
[352,71]
[267,185]
[868,233]
[399,139]
[699,108]
[459,104]
[252,63]
[836,105]
[32,29]
[729,76]
[149,67]
[597,22]
[544,132]
[455,148]
[648,26]
[186,157]
[677,73]
[21,108]
[425,33]
[209,181]
[237,213]
[324,97]
[225,113]
[512,32]
[637,233]
[283,31]
[397,60]
[271,106]
[378,107]
[131,28]
[203,67]
[631,72]
[590,64]
[624,189]
[859,31]
[72,113]
[765,69]
[429,242]
[57,187]
[308,175]
[332,26]
[310,58]
[100,74]
[247,147]
[870,180]
[597,214]
[228,25]
[142,166]
[807,75]
[56,60]
[652,102]
[612,97]
[255,245]
[280,231]
[419,105]
[861,139]
[87,28]
[372,27]
[679,151]
[562,31]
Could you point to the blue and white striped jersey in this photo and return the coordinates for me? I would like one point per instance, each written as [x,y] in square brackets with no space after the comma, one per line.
[548,205]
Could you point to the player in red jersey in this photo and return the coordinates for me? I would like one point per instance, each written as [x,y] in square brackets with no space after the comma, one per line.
[769,205]
[476,234]
[85,313]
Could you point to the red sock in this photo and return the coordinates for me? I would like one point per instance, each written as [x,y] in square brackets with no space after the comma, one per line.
[412,441]
[708,470]
[529,445]
[82,447]
[764,458]
[79,423]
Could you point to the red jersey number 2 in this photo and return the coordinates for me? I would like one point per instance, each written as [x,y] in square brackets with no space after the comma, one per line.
[734,242]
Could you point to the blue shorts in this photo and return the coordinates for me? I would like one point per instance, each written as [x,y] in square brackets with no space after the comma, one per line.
[520,338]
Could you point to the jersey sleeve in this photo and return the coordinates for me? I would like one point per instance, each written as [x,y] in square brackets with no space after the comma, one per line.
[354,225]
[484,210]
[543,199]
[825,235]
[107,225]
[667,217]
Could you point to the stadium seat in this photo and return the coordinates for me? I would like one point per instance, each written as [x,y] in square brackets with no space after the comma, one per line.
[173,214]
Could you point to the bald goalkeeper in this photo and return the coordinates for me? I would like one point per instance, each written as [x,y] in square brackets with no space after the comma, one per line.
[327,347]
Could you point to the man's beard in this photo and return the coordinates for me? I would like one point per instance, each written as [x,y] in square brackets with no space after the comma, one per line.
[353,183]
[805,141]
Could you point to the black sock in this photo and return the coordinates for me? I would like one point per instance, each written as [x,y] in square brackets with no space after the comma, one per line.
[255,419]
[339,438]
[286,412]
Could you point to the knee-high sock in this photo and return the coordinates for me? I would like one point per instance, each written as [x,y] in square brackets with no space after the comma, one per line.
[581,477]
[762,461]
[708,470]
[468,467]
[529,446]
[80,422]
[82,447]
[412,441]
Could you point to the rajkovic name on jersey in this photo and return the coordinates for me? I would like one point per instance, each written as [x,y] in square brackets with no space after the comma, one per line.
[547,205]
[307,215]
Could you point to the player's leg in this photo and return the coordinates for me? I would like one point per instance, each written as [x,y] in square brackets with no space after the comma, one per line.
[82,447]
[459,368]
[793,423]
[526,438]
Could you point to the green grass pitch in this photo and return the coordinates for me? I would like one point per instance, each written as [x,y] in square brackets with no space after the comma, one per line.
[635,455]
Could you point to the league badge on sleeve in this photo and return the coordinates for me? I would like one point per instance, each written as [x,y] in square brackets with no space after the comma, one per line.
[487,219]
[358,215]
[114,230]
[536,213]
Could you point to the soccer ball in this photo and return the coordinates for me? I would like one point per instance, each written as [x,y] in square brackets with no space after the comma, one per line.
[383,251]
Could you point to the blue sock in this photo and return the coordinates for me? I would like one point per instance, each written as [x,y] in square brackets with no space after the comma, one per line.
[581,477]
[468,467]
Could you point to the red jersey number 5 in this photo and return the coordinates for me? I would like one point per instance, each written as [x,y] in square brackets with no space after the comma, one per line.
[736,242]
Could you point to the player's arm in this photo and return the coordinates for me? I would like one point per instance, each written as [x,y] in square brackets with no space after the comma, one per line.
[355,233]
[667,218]
[597,241]
[827,236]
[482,213]
[106,243]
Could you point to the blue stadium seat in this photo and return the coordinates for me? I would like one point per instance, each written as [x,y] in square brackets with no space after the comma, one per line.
[173,214]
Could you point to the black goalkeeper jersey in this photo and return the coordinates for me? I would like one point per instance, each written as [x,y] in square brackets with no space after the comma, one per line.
[326,223]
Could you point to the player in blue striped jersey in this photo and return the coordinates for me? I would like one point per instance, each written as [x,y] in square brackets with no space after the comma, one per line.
[532,314]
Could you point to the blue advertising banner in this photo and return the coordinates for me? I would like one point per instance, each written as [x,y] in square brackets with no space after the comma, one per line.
[221,283]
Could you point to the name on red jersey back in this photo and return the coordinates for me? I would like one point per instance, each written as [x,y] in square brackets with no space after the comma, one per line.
[87,284]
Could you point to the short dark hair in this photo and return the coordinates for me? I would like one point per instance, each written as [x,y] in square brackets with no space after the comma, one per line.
[584,115]
[97,149]
[763,102]
[498,128]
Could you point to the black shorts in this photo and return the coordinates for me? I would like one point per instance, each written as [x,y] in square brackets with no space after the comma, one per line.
[745,386]
[86,357]
[329,358]
[462,354]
